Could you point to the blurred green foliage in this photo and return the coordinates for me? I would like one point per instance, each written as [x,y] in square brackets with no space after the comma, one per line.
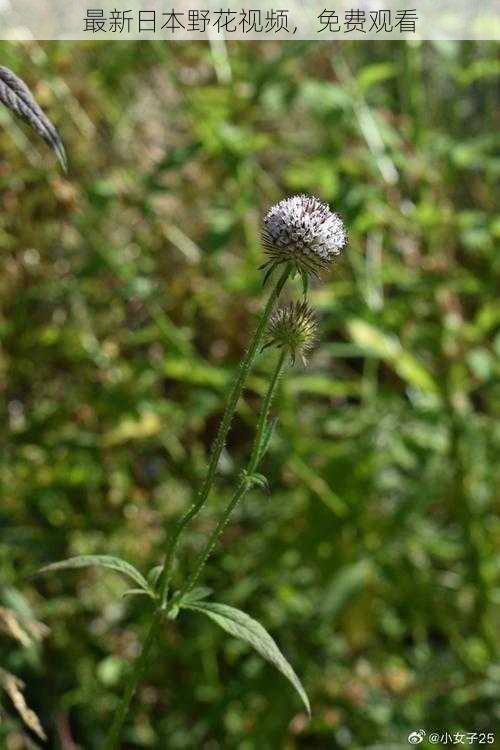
[128,290]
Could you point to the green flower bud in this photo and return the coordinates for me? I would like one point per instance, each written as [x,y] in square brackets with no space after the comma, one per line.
[294,328]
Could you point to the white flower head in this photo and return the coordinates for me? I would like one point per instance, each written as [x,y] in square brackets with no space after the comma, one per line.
[303,231]
[294,328]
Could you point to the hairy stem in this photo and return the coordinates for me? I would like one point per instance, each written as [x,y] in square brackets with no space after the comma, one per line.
[245,482]
[136,674]
[113,739]
[220,439]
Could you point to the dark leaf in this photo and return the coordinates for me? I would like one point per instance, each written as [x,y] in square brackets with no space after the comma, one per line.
[18,98]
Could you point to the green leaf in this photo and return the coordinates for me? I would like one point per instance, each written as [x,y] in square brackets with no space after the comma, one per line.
[242,626]
[388,348]
[305,283]
[196,594]
[258,480]
[137,592]
[370,75]
[154,574]
[173,612]
[99,561]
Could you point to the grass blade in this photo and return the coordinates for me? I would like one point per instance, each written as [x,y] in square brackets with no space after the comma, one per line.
[17,97]
[99,561]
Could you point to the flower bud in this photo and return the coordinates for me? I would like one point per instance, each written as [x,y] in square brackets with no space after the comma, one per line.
[303,231]
[294,328]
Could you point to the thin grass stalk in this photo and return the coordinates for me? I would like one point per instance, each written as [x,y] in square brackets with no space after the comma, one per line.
[17,97]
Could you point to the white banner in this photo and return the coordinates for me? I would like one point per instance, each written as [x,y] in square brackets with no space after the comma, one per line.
[260,19]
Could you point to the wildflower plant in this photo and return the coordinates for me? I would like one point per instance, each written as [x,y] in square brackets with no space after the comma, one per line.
[301,235]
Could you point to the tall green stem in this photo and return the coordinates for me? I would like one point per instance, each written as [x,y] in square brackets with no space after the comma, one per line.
[245,482]
[234,395]
[135,676]
[112,741]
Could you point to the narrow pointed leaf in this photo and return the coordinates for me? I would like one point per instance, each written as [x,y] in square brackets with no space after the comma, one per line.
[154,574]
[242,626]
[196,594]
[268,273]
[305,283]
[281,285]
[257,480]
[137,592]
[99,561]
[387,347]
[18,99]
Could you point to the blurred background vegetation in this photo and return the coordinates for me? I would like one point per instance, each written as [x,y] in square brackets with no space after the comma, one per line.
[128,290]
